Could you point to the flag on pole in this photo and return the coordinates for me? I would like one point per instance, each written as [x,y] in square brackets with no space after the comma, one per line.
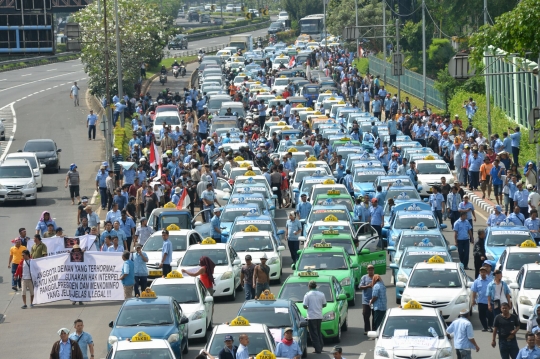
[292,61]
[155,159]
[184,201]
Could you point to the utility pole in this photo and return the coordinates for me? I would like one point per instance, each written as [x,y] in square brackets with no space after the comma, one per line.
[384,39]
[537,105]
[398,52]
[356,10]
[424,50]
[324,34]
[108,112]
[119,61]
[487,73]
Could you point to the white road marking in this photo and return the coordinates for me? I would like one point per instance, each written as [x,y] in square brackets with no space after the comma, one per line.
[3,80]
[32,82]
[52,70]
[10,141]
[26,75]
[362,356]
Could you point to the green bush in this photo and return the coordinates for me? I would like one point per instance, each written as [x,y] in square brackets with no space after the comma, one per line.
[286,35]
[499,121]
[362,65]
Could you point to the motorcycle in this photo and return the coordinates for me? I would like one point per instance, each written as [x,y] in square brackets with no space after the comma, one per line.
[163,79]
[200,57]
[175,71]
[183,70]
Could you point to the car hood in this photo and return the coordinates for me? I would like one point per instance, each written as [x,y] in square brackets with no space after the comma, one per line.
[425,352]
[158,331]
[154,257]
[45,154]
[255,255]
[364,186]
[495,251]
[431,294]
[189,308]
[16,181]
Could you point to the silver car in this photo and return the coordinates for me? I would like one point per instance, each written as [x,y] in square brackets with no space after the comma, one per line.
[17,182]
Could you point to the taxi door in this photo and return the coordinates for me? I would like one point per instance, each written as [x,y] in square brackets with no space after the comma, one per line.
[208,306]
[235,267]
[343,305]
[370,250]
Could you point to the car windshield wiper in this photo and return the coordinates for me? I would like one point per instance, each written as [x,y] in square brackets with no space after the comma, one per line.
[129,325]
[189,301]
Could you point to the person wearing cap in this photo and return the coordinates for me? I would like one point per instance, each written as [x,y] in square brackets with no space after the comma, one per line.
[166,253]
[293,229]
[533,224]
[480,298]
[72,179]
[65,348]
[462,331]
[288,347]
[215,225]
[463,238]
[176,196]
[506,324]
[261,276]
[314,302]
[376,219]
[378,301]
[438,205]
[229,349]
[140,270]
[246,277]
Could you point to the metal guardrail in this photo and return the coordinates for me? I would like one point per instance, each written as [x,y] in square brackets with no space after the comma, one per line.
[38,58]
[209,49]
[212,32]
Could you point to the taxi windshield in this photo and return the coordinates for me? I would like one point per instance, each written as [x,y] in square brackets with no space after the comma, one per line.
[366,177]
[398,194]
[343,201]
[321,214]
[242,189]
[271,316]
[435,278]
[297,291]
[410,260]
[257,200]
[257,343]
[507,238]
[145,314]
[320,229]
[217,255]
[410,221]
[183,293]
[307,186]
[345,243]
[434,241]
[229,214]
[516,260]
[261,225]
[532,280]
[426,168]
[300,175]
[322,261]
[145,353]
[416,326]
[252,244]
[155,243]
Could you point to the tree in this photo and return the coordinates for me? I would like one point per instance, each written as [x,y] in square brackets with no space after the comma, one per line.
[446,85]
[514,32]
[298,9]
[143,34]
[439,54]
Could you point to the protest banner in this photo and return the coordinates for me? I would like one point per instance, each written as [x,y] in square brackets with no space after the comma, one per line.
[77,276]
[59,245]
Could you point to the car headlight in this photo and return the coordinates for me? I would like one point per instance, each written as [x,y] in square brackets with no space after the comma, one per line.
[112,339]
[227,275]
[490,256]
[331,315]
[51,159]
[197,315]
[273,260]
[524,300]
[173,338]
[507,280]
[401,277]
[345,281]
[462,299]
[445,353]
[381,351]
[2,187]
[394,238]
[30,185]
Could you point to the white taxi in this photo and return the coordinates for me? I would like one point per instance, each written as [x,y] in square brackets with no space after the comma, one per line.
[440,285]
[430,172]
[180,239]
[526,290]
[259,244]
[280,84]
[281,59]
[196,302]
[141,345]
[412,331]
[513,258]
[260,337]
[226,271]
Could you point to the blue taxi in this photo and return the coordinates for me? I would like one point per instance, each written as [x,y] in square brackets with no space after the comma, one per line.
[277,314]
[229,214]
[263,189]
[413,237]
[160,317]
[363,180]
[407,219]
[257,198]
[506,234]
[263,222]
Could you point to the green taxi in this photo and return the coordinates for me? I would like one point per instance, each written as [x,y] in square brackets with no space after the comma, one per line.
[335,314]
[328,260]
[335,197]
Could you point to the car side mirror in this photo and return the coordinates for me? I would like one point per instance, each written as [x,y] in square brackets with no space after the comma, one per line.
[400,285]
[281,248]
[452,248]
[42,166]
[208,299]
[365,251]
[272,208]
[59,150]
[280,232]
[372,334]
[111,324]
[390,249]
[236,262]
[512,286]
[394,266]
[293,266]
[184,320]
[444,226]
[354,265]
[342,297]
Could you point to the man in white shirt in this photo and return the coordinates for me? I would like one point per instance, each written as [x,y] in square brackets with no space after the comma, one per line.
[27,283]
[75,94]
[534,198]
[314,302]
[243,351]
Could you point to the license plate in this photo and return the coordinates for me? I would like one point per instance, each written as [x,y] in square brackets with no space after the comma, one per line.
[155,273]
[14,196]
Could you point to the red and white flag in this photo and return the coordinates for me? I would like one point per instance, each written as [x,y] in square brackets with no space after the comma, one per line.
[184,201]
[155,158]
[292,62]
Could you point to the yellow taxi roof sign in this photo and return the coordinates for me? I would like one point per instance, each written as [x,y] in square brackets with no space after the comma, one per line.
[266,354]
[173,227]
[279,97]
[250,173]
[412,304]
[329,181]
[311,165]
[436,260]
[141,337]
[341,102]
[148,293]
[292,149]
[239,158]
[332,98]
[299,142]
[317,112]
[241,74]
[429,158]
[345,139]
[330,218]
[174,274]
[328,91]
[169,205]
[282,123]
[312,158]
[245,165]
[208,240]
[251,228]
[300,106]
[283,77]
[528,244]
[286,128]
[309,109]
[308,273]
[333,192]
[239,321]
[267,295]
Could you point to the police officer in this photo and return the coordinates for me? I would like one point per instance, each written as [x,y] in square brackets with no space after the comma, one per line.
[215,222]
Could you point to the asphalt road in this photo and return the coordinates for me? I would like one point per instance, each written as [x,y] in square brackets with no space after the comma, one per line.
[43,109]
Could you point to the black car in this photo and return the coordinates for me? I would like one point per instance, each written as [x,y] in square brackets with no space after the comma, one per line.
[218,21]
[46,151]
[179,42]
[276,27]
[193,16]
[205,18]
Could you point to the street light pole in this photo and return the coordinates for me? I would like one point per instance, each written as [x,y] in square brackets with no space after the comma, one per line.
[384,39]
[488,90]
[108,112]
[119,60]
[424,51]
[397,51]
[324,34]
[357,39]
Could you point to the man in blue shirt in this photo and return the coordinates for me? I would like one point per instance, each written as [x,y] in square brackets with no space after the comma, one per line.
[531,351]
[533,224]
[521,199]
[462,330]
[412,172]
[166,253]
[474,170]
[293,228]
[101,185]
[348,182]
[82,338]
[516,138]
[376,107]
[340,167]
[215,225]
[438,206]
[290,351]
[496,173]
[507,143]
[467,208]
[376,219]
[140,259]
[304,207]
[517,217]
[65,348]
[109,231]
[128,275]
[496,217]
[463,238]
[91,121]
[479,288]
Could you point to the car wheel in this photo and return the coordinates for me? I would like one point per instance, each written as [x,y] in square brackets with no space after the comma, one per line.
[345,325]
[398,301]
[186,348]
[337,339]
[352,302]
